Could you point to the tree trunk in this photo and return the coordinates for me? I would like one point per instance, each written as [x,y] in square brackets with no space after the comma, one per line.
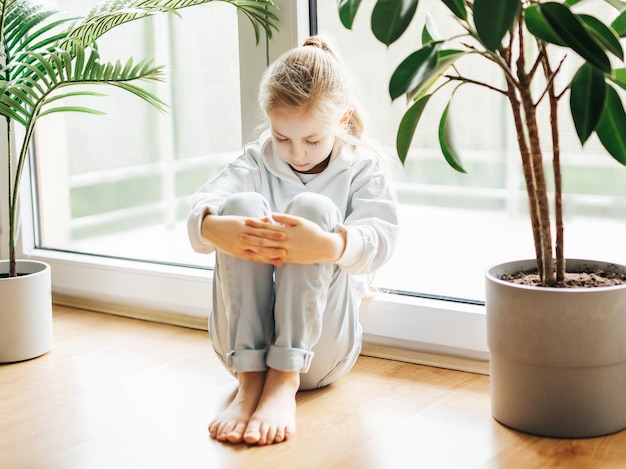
[531,190]
[556,169]
[532,160]
[541,194]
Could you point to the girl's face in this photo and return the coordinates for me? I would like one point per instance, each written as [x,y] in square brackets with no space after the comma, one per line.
[301,140]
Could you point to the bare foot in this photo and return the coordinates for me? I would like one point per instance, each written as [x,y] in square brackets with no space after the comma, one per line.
[274,419]
[232,422]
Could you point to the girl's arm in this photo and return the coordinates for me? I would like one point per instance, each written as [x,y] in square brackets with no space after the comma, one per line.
[301,241]
[371,226]
[239,176]
[236,237]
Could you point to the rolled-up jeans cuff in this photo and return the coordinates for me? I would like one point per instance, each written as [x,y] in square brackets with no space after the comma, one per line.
[289,359]
[246,360]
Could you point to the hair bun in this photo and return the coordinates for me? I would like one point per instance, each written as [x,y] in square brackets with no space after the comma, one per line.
[316,41]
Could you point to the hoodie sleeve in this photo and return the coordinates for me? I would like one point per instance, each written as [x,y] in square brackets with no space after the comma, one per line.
[239,176]
[371,223]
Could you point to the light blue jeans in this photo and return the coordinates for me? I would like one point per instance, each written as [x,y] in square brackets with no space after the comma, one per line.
[291,318]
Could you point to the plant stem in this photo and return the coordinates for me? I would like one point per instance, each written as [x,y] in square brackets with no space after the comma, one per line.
[556,169]
[475,82]
[532,163]
[14,194]
[12,256]
[523,146]
[541,197]
[531,189]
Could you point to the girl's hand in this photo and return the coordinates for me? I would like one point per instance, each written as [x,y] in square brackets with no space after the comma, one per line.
[303,241]
[234,236]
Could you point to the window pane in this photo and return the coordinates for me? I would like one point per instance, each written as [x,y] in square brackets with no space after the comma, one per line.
[454,226]
[119,184]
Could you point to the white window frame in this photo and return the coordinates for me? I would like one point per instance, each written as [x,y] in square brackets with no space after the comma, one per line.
[421,330]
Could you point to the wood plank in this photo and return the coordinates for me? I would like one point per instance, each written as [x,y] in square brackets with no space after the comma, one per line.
[125,393]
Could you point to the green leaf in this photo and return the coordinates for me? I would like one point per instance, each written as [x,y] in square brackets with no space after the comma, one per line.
[347,11]
[24,94]
[85,110]
[619,24]
[80,62]
[33,84]
[14,109]
[446,141]
[413,71]
[445,58]
[12,113]
[571,30]
[603,34]
[26,23]
[587,96]
[539,27]
[619,77]
[457,7]
[107,15]
[429,32]
[407,126]
[73,94]
[426,36]
[39,73]
[390,18]
[493,19]
[46,67]
[150,98]
[611,127]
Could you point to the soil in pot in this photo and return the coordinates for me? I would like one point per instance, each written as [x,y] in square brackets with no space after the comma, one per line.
[585,279]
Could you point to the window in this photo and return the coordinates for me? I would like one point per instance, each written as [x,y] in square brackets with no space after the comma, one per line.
[112,192]
[455,226]
[109,183]
[111,208]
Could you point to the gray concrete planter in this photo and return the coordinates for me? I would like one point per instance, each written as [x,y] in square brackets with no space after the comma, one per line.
[557,356]
[25,311]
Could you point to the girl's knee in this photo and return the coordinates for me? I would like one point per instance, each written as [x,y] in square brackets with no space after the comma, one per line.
[245,204]
[316,208]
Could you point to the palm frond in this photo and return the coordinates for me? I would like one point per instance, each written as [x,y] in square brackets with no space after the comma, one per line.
[108,15]
[28,27]
[27,21]
[85,110]
[27,98]
[14,110]
[72,94]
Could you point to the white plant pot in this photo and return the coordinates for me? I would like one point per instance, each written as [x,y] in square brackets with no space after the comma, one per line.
[558,355]
[25,311]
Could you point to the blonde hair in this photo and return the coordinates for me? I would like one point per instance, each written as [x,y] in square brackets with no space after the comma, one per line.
[310,78]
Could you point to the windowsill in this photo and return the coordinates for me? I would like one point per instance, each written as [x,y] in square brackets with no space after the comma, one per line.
[440,333]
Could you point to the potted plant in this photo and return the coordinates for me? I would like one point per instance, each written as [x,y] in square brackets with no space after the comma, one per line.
[47,57]
[558,361]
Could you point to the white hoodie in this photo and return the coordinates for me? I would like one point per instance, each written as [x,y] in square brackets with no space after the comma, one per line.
[355,180]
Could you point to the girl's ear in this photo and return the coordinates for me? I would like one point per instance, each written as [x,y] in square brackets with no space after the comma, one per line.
[345,117]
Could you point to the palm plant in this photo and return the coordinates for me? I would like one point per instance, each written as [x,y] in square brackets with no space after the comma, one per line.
[521,38]
[48,56]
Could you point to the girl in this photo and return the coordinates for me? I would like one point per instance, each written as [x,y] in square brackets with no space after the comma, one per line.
[299,223]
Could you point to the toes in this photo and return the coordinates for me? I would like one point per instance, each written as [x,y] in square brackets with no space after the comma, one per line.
[236,434]
[225,430]
[213,430]
[280,435]
[266,434]
[253,433]
[270,435]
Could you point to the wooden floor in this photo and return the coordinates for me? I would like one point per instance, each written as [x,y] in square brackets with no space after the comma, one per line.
[120,393]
